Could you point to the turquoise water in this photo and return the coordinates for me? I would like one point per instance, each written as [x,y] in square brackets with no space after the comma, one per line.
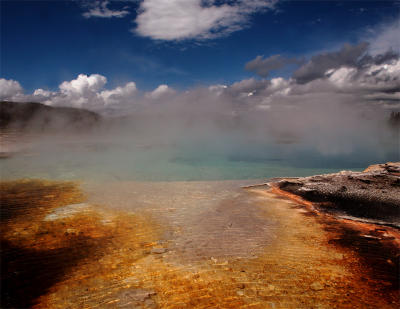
[72,158]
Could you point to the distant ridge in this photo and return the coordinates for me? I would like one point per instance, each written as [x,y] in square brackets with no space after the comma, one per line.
[39,117]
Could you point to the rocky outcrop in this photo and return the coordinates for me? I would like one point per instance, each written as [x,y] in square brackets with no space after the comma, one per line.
[371,195]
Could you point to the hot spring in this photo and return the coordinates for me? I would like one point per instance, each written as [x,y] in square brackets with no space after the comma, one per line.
[159,218]
[116,158]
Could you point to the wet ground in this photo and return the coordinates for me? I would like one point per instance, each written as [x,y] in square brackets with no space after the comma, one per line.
[185,245]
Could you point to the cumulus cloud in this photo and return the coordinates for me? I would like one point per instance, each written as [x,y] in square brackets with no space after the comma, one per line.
[83,85]
[341,76]
[348,55]
[161,91]
[248,85]
[43,93]
[194,19]
[363,80]
[115,96]
[80,92]
[100,9]
[263,66]
[350,75]
[9,89]
[85,91]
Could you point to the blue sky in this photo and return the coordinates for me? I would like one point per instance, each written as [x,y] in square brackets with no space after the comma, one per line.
[44,43]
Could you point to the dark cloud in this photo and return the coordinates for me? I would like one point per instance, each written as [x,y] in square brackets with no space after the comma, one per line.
[248,86]
[348,55]
[263,66]
[378,59]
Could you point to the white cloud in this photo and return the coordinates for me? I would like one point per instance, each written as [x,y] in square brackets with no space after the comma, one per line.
[382,77]
[9,88]
[100,9]
[160,91]
[118,94]
[43,93]
[342,76]
[43,96]
[81,92]
[279,83]
[83,84]
[86,92]
[194,19]
[370,81]
[385,71]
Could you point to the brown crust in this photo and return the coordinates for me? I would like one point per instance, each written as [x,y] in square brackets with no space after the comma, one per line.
[377,245]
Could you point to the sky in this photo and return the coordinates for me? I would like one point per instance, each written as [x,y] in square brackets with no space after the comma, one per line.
[108,54]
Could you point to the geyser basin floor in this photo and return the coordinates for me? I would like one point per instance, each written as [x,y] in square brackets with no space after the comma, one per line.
[174,245]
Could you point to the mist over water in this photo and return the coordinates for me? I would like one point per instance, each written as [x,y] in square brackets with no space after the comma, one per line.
[184,139]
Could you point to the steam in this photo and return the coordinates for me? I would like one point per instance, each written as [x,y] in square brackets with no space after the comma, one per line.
[332,112]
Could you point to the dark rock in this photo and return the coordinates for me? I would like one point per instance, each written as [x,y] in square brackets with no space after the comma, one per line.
[373,194]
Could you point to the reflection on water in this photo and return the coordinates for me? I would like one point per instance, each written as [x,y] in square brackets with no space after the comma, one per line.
[206,218]
[127,158]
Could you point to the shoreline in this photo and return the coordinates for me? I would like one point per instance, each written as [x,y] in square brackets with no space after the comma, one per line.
[370,196]
[194,244]
[322,196]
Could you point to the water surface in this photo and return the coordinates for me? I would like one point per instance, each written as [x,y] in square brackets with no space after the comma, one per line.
[107,158]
